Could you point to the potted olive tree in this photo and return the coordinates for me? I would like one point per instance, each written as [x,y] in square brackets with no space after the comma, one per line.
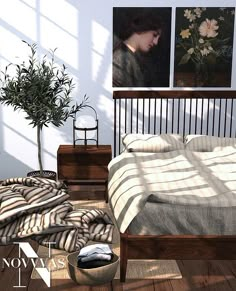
[42,90]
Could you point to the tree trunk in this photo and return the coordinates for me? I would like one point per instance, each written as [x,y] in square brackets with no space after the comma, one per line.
[39,151]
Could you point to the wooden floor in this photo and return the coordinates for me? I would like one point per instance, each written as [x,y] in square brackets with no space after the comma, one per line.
[197,275]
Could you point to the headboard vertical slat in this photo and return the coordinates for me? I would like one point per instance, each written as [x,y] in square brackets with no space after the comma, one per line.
[115,126]
[119,123]
[149,115]
[155,115]
[201,121]
[131,116]
[184,115]
[207,119]
[172,117]
[225,121]
[213,118]
[182,112]
[160,116]
[231,115]
[178,116]
[137,115]
[219,121]
[196,109]
[167,112]
[190,116]
[125,115]
[143,121]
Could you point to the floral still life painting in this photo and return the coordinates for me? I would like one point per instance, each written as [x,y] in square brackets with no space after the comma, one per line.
[203,47]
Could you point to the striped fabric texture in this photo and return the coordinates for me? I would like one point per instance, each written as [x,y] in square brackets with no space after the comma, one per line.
[205,143]
[39,208]
[204,179]
[152,143]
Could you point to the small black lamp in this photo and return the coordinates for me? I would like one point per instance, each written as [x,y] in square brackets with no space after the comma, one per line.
[79,124]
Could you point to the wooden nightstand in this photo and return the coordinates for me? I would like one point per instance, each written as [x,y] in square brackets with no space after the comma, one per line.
[83,164]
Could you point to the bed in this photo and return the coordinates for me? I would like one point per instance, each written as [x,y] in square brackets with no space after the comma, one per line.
[148,179]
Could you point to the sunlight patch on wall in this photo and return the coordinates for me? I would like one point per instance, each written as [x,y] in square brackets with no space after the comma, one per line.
[100,37]
[61,29]
[31,3]
[107,84]
[66,45]
[105,104]
[9,52]
[16,131]
[57,11]
[22,18]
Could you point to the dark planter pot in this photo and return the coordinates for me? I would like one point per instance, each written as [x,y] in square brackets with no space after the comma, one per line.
[46,174]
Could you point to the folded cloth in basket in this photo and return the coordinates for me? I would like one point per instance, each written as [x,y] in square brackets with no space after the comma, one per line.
[94,253]
[92,264]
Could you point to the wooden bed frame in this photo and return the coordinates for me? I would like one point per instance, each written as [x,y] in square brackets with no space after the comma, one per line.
[183,107]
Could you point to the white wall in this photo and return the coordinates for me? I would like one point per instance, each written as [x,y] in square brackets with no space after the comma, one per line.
[82,32]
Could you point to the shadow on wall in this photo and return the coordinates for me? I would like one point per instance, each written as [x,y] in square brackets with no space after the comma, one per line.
[6,160]
[8,172]
[90,82]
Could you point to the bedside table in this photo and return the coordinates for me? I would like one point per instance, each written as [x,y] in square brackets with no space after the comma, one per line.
[84,164]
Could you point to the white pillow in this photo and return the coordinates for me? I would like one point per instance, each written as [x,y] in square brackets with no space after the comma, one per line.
[205,143]
[152,143]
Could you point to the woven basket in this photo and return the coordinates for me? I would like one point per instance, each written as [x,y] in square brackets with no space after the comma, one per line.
[46,174]
[94,276]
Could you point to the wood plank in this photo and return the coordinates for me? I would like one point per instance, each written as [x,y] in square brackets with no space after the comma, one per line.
[5,252]
[56,285]
[140,285]
[65,285]
[10,276]
[163,285]
[202,275]
[228,269]
[197,275]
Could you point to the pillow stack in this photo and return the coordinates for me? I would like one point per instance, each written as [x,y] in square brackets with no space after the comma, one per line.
[171,142]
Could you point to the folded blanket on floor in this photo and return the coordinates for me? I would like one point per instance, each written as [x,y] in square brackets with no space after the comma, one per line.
[39,208]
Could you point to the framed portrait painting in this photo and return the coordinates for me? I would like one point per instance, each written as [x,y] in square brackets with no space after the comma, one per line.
[141,46]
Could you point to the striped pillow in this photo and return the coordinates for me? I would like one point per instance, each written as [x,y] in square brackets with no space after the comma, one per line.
[152,143]
[205,143]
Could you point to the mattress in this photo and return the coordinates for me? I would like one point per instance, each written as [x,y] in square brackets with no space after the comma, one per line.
[178,192]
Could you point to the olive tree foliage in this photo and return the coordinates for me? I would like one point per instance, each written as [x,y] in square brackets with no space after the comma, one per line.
[42,89]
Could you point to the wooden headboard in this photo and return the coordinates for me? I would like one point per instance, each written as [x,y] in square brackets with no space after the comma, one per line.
[182,112]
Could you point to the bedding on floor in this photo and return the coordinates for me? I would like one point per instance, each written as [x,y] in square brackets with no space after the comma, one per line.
[39,208]
[174,189]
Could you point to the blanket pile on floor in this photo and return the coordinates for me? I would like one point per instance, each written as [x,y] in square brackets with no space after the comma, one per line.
[39,208]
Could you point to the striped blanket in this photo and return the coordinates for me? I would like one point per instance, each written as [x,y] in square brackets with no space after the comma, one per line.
[181,177]
[39,208]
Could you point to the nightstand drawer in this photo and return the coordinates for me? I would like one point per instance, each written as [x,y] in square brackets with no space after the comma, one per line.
[82,172]
[85,159]
[83,163]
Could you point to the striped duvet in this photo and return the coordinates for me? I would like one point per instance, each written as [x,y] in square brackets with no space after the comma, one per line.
[181,177]
[39,208]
